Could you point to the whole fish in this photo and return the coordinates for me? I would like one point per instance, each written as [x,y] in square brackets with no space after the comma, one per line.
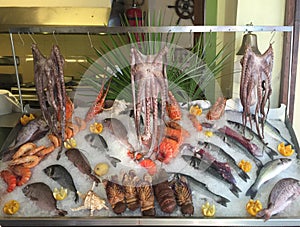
[270,170]
[61,176]
[117,128]
[34,130]
[232,143]
[270,151]
[42,195]
[81,162]
[98,142]
[202,165]
[229,159]
[202,188]
[284,192]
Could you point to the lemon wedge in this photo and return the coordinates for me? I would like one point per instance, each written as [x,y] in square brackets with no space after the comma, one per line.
[60,194]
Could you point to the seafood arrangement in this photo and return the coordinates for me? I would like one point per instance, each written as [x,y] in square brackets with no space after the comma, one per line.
[168,160]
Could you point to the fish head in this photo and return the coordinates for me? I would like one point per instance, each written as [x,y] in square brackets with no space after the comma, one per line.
[107,122]
[49,171]
[27,190]
[285,161]
[90,137]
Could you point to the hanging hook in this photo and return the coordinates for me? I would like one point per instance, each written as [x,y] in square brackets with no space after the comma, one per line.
[88,33]
[23,43]
[272,36]
[54,37]
[32,38]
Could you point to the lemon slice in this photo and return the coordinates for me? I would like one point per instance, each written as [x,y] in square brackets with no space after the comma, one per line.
[11,207]
[60,194]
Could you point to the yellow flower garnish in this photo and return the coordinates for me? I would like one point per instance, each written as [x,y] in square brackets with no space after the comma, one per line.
[96,128]
[209,133]
[253,207]
[208,210]
[60,194]
[70,143]
[285,150]
[195,110]
[11,207]
[25,119]
[245,165]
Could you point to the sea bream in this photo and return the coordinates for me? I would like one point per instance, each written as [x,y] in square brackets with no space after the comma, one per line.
[61,175]
[117,128]
[284,192]
[34,130]
[81,162]
[270,170]
[42,195]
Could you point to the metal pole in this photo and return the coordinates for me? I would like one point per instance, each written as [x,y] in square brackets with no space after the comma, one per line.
[16,69]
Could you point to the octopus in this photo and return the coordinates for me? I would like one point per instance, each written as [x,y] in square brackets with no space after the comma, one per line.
[255,86]
[50,88]
[149,73]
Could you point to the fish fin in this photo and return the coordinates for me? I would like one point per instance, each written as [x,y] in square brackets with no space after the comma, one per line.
[252,191]
[264,213]
[223,201]
[271,153]
[235,190]
[62,212]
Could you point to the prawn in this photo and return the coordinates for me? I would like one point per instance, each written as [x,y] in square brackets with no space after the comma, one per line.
[23,173]
[27,161]
[54,140]
[45,151]
[81,123]
[23,149]
[10,179]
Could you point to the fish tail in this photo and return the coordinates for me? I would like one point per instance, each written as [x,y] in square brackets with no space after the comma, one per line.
[271,153]
[264,213]
[62,212]
[223,201]
[243,174]
[252,191]
[235,190]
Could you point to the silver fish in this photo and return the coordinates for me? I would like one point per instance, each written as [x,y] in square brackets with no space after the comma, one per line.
[42,195]
[202,188]
[284,192]
[98,142]
[270,170]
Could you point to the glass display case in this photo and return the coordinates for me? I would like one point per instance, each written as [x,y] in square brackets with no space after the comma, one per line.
[216,198]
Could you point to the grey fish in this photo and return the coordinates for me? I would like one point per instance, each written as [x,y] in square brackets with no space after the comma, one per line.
[270,170]
[196,163]
[42,195]
[233,164]
[284,192]
[34,130]
[117,128]
[81,162]
[98,142]
[270,151]
[202,188]
[61,175]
